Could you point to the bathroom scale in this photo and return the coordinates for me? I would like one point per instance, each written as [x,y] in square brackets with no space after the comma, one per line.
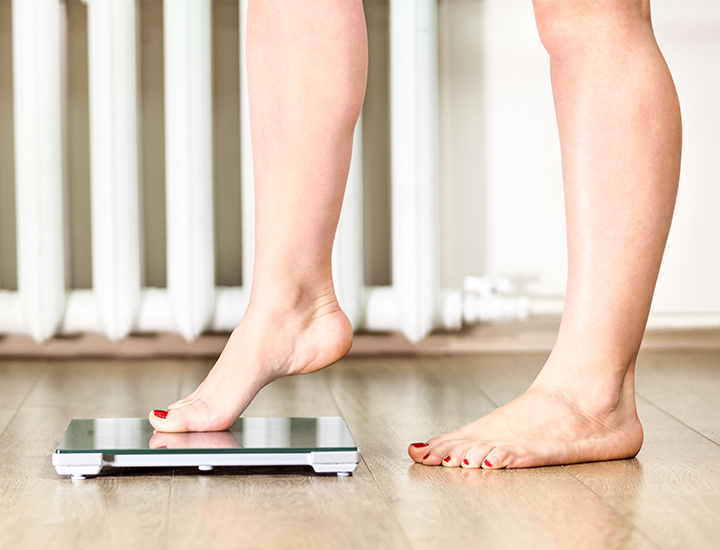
[323,443]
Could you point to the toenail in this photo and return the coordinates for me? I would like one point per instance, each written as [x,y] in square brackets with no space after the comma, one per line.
[426,456]
[446,459]
[487,464]
[466,462]
[418,445]
[160,414]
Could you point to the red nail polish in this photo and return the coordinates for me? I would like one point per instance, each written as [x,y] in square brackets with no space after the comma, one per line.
[426,456]
[418,445]
[466,462]
[446,459]
[487,464]
[160,414]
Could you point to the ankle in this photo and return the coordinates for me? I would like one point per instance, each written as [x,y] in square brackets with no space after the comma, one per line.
[293,300]
[599,385]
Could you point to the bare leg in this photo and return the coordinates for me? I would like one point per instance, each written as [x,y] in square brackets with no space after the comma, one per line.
[307,66]
[620,134]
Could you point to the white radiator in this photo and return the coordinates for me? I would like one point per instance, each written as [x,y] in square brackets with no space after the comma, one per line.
[191,304]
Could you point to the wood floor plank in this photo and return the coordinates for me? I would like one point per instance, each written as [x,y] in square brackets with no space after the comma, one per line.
[502,377]
[669,497]
[193,373]
[5,415]
[278,511]
[671,491]
[544,508]
[686,385]
[38,508]
[100,513]
[389,403]
[16,379]
[307,395]
[121,388]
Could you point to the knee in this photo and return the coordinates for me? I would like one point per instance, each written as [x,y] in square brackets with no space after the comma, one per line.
[569,25]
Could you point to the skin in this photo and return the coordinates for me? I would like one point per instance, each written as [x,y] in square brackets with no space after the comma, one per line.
[620,134]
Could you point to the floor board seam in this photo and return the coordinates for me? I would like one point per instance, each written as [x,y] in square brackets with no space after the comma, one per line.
[473,381]
[169,512]
[389,505]
[666,413]
[41,372]
[618,512]
[372,475]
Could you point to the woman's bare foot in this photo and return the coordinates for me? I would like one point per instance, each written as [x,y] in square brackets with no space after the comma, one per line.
[551,424]
[269,343]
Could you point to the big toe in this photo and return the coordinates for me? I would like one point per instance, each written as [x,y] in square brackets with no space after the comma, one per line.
[417,451]
[172,420]
[190,417]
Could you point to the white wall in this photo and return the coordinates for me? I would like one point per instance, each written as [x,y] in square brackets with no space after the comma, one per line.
[689,35]
[524,208]
[525,236]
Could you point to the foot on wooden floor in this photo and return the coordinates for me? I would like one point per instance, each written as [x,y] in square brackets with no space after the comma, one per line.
[550,424]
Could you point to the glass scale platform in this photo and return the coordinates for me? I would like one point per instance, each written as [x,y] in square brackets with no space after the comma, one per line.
[323,443]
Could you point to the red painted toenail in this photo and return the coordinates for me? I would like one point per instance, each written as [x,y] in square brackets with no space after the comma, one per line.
[418,445]
[466,462]
[487,464]
[160,414]
[426,456]
[446,459]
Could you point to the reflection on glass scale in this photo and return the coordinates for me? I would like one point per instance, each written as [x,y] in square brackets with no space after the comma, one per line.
[323,443]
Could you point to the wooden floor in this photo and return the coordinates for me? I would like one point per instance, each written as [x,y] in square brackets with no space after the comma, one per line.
[669,497]
[536,334]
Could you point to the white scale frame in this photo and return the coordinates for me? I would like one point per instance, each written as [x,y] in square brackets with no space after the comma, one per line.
[80,465]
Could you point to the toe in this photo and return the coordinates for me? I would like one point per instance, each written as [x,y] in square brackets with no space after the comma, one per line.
[172,420]
[497,458]
[475,455]
[417,451]
[436,454]
[452,460]
[191,417]
[456,455]
[158,420]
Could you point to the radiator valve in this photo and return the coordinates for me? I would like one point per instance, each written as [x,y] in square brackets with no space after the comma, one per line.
[486,299]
